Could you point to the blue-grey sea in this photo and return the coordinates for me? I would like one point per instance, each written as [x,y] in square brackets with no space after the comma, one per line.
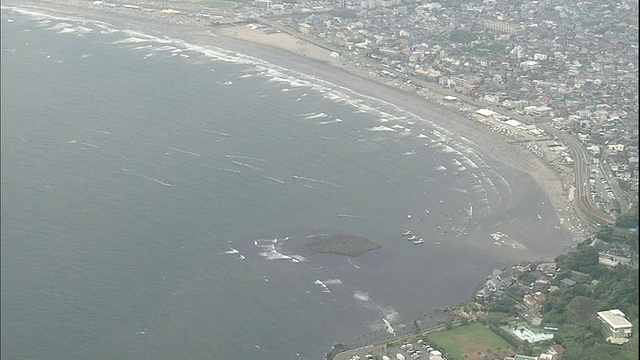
[156,195]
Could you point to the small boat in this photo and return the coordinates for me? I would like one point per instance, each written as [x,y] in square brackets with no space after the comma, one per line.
[412,237]
[421,241]
[407,233]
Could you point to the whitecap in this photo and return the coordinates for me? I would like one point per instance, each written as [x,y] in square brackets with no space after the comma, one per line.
[333,281]
[129,40]
[231,251]
[361,295]
[312,116]
[381,128]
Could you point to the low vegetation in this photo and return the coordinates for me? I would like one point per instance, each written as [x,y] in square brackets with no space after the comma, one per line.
[474,341]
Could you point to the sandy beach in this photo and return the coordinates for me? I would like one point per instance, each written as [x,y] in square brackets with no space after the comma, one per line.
[291,52]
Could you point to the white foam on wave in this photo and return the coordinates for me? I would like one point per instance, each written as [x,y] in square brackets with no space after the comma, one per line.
[145,177]
[440,168]
[316,116]
[65,31]
[449,150]
[129,40]
[490,186]
[297,177]
[505,182]
[269,251]
[46,16]
[330,122]
[59,26]
[361,295]
[165,48]
[143,47]
[438,135]
[469,163]
[382,128]
[184,151]
[323,285]
[389,313]
[74,141]
[333,281]
[82,30]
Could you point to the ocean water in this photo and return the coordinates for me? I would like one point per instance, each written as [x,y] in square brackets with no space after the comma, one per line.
[156,195]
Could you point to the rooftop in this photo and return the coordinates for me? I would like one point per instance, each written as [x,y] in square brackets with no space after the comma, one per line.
[615,318]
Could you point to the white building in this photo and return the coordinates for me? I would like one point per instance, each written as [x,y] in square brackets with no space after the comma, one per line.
[619,327]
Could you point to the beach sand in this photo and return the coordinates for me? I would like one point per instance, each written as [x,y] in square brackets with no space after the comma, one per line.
[519,166]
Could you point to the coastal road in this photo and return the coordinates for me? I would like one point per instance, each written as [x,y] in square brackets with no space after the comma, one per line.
[617,191]
[581,166]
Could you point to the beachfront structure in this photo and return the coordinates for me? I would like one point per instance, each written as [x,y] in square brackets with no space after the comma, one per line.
[619,328]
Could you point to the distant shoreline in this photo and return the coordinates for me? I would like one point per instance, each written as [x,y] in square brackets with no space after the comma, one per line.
[287,51]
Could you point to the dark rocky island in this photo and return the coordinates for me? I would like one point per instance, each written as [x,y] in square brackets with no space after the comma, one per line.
[341,244]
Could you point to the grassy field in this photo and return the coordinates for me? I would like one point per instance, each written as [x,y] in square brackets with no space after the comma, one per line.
[473,340]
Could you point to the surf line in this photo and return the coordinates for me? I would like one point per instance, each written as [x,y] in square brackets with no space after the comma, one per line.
[145,177]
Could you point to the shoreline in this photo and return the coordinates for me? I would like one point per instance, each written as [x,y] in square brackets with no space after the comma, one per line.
[293,53]
[482,137]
